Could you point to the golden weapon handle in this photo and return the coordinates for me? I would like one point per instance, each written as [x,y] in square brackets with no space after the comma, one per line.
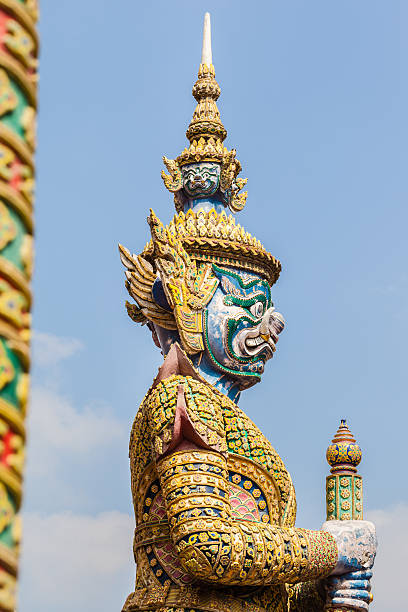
[344,487]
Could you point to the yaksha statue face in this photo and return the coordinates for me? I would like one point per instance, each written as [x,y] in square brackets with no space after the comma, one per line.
[241,324]
[221,315]
[224,314]
[201,179]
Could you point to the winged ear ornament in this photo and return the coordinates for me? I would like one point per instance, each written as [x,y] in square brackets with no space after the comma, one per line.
[231,185]
[140,277]
[173,181]
[188,286]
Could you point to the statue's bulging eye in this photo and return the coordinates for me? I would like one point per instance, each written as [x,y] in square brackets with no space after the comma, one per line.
[257,309]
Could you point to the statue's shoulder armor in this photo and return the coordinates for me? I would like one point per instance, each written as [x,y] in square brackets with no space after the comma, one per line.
[203,407]
[153,427]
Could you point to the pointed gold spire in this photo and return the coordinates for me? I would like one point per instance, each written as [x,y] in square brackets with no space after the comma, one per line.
[206,122]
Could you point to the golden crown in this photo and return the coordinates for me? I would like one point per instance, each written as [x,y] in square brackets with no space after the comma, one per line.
[183,253]
[216,238]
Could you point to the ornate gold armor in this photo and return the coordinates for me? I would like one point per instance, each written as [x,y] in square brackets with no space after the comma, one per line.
[217,515]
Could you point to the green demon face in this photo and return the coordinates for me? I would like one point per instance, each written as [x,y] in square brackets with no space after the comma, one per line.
[241,326]
[201,180]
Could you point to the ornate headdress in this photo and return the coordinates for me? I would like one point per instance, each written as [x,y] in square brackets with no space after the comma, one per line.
[181,254]
[206,134]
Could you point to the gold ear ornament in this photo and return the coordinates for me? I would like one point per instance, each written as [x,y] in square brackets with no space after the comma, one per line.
[140,277]
[173,181]
[187,286]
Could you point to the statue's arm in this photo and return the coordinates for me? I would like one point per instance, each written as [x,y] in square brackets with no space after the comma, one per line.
[214,548]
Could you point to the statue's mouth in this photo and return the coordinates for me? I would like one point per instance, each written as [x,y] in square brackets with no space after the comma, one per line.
[255,345]
[198,186]
[251,343]
[258,344]
[260,340]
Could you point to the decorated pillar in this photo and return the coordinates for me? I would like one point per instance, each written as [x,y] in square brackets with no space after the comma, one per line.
[344,487]
[18,95]
[344,516]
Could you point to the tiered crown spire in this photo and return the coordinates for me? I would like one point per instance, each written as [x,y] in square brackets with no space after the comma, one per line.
[206,121]
[206,134]
[206,131]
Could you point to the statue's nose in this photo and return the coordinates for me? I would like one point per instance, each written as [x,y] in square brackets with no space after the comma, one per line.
[272,322]
[264,330]
[277,322]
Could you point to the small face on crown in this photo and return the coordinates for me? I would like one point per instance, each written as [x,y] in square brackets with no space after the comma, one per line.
[201,179]
[241,325]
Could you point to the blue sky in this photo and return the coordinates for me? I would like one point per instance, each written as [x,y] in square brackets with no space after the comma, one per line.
[314,102]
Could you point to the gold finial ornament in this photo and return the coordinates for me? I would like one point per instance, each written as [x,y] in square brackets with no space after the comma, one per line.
[344,487]
[343,454]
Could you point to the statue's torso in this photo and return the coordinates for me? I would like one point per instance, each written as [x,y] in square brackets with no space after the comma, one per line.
[260,489]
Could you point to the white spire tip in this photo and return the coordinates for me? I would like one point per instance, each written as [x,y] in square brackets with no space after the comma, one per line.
[206,55]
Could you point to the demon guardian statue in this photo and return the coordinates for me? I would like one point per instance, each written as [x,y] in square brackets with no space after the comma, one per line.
[215,506]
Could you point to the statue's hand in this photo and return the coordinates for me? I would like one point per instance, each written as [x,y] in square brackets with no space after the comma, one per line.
[349,591]
[356,542]
[349,583]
